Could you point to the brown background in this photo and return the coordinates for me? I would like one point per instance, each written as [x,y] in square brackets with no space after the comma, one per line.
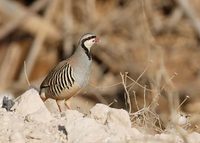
[155,40]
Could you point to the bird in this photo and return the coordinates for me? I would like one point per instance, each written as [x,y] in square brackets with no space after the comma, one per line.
[71,75]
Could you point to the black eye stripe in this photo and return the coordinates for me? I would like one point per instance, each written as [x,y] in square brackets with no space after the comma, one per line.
[88,38]
[85,48]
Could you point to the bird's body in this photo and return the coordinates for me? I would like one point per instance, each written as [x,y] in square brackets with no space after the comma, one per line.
[71,75]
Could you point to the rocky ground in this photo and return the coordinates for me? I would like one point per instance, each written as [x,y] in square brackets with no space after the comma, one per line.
[29,121]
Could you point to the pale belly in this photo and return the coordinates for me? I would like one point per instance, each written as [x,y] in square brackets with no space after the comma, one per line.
[67,93]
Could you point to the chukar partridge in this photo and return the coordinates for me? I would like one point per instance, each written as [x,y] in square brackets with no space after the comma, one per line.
[71,75]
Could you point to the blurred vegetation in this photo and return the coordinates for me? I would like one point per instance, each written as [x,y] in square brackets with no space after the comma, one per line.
[154,44]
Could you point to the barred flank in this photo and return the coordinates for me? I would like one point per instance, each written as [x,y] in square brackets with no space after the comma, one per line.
[60,79]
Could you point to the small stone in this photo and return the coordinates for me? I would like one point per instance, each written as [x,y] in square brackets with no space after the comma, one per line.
[6,94]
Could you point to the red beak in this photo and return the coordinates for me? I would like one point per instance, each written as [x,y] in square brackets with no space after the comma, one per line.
[96,40]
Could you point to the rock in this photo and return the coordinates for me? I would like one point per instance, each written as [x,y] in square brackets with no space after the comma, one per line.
[29,104]
[119,133]
[10,120]
[104,114]
[193,137]
[7,103]
[85,130]
[163,137]
[104,124]
[6,100]
[51,105]
[40,115]
[72,115]
[16,137]
[109,126]
[100,113]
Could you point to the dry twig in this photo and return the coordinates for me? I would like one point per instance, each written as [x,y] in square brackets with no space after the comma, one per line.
[38,42]
[10,26]
[190,13]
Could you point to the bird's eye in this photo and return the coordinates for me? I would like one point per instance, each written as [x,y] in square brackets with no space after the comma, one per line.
[93,40]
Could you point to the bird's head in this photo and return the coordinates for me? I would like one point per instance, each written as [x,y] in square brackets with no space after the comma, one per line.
[88,40]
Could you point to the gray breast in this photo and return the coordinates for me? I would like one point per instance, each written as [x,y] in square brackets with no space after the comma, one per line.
[82,73]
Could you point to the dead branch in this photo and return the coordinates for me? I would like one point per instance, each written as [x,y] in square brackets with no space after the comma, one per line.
[13,24]
[190,13]
[68,27]
[10,64]
[38,42]
[29,21]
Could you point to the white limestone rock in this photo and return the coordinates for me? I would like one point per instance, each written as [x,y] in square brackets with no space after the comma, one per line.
[104,114]
[30,105]
[193,137]
[51,105]
[16,137]
[104,124]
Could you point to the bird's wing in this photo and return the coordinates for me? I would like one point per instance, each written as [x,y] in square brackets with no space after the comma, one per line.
[46,82]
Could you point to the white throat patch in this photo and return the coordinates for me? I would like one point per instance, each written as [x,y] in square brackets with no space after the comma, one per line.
[89,43]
